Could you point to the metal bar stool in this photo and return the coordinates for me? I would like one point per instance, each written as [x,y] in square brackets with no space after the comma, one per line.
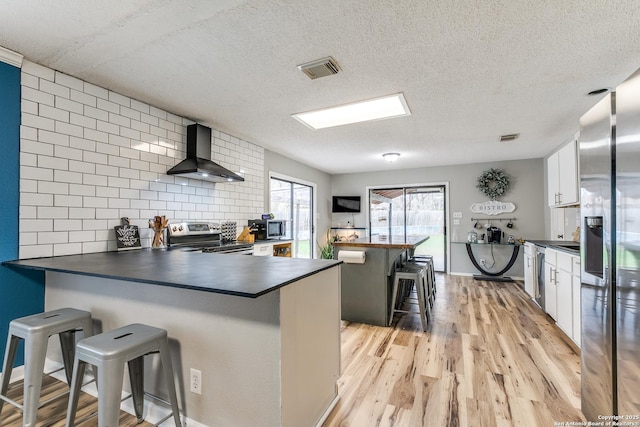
[418,278]
[426,262]
[108,352]
[35,330]
[428,259]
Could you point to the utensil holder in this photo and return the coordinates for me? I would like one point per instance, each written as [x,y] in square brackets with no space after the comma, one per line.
[158,239]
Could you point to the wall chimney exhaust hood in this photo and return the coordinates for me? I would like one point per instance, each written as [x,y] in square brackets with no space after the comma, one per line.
[198,164]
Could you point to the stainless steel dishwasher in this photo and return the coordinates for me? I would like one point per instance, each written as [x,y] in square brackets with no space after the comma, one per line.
[539,286]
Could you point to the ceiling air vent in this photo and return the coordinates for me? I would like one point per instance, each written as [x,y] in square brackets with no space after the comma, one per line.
[510,137]
[320,68]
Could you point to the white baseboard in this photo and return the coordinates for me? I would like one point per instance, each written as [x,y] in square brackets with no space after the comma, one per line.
[453,273]
[326,413]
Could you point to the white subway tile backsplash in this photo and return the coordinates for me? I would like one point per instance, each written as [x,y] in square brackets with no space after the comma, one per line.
[54,88]
[30,81]
[38,122]
[67,224]
[36,199]
[53,162]
[62,249]
[36,225]
[107,192]
[96,135]
[72,200]
[66,176]
[34,95]
[82,213]
[121,162]
[108,127]
[69,129]
[80,166]
[82,236]
[29,172]
[90,156]
[53,237]
[96,113]
[83,121]
[35,251]
[48,187]
[30,107]
[69,105]
[94,202]
[109,106]
[68,81]
[96,91]
[107,170]
[83,98]
[119,99]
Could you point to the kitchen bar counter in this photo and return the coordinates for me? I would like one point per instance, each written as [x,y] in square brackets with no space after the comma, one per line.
[366,288]
[377,241]
[239,275]
[251,325]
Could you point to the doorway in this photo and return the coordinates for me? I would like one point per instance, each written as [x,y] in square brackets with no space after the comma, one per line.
[412,211]
[293,201]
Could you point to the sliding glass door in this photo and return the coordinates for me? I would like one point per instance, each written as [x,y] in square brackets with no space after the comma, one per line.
[293,202]
[412,211]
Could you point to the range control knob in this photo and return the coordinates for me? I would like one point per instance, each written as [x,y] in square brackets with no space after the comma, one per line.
[174,228]
[180,228]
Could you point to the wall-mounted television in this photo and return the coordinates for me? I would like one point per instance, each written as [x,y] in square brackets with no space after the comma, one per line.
[345,204]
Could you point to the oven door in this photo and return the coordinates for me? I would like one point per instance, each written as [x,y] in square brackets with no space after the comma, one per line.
[239,251]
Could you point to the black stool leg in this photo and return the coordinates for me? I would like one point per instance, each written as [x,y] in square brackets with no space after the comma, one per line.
[68,347]
[136,376]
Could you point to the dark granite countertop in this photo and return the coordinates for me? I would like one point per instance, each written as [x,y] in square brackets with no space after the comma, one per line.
[391,242]
[240,275]
[560,245]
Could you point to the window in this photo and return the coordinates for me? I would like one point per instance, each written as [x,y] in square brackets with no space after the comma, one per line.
[409,211]
[293,201]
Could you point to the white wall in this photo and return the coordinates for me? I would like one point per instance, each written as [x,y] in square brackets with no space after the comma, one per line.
[526,191]
[90,156]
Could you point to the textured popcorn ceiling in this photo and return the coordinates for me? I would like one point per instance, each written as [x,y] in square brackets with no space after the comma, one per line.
[470,70]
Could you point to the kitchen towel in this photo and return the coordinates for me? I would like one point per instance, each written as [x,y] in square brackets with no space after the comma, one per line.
[352,257]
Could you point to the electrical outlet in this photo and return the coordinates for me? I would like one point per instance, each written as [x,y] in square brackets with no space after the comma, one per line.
[196,381]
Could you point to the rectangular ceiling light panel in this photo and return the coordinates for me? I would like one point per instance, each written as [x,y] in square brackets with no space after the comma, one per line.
[385,107]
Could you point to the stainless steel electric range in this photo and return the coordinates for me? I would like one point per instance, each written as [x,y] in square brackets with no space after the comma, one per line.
[204,237]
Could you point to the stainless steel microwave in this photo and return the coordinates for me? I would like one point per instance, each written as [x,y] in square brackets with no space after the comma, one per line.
[265,229]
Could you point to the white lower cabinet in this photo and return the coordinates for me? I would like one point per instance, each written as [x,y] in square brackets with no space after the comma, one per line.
[550,284]
[562,291]
[263,249]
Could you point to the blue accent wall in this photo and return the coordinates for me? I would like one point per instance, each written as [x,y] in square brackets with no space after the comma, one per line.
[21,293]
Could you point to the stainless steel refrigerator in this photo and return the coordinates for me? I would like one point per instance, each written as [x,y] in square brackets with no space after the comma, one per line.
[610,254]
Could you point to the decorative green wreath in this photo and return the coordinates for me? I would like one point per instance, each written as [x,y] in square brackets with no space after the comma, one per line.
[493,183]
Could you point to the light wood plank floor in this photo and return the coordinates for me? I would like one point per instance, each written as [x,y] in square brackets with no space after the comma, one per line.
[489,358]
[53,414]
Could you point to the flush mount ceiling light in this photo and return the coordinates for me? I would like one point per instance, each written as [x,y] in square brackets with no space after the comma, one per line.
[385,107]
[391,157]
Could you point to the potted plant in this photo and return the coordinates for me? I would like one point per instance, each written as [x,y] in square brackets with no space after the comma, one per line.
[326,250]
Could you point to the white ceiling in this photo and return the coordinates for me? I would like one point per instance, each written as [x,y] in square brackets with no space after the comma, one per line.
[470,70]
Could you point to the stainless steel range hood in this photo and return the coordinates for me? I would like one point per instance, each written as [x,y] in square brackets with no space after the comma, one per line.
[198,164]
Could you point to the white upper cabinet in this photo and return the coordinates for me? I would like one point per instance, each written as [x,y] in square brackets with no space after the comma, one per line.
[562,176]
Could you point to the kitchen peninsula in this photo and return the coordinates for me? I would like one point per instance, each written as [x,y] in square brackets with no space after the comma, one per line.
[366,288]
[264,331]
